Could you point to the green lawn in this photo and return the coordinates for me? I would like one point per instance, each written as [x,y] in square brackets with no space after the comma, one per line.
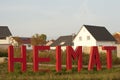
[104,74]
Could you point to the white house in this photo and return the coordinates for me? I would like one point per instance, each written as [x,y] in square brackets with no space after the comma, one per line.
[4,36]
[6,39]
[90,35]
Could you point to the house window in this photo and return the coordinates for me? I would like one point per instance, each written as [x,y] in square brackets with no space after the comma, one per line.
[88,37]
[80,38]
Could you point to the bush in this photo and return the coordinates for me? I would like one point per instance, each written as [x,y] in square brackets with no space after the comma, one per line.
[3,53]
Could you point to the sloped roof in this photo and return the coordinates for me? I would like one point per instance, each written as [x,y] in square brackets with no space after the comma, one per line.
[4,32]
[24,40]
[63,41]
[99,33]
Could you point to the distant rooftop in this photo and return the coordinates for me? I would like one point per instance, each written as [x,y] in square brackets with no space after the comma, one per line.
[64,41]
[25,40]
[4,32]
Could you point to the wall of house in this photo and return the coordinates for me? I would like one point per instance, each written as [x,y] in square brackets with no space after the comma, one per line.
[86,50]
[63,48]
[105,43]
[4,46]
[118,50]
[83,33]
[5,41]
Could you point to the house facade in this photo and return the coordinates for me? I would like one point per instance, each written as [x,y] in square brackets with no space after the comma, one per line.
[90,35]
[4,37]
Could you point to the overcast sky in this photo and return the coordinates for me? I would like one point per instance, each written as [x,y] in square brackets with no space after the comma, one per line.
[58,17]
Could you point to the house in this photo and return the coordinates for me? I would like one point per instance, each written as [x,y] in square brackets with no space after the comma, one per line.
[27,42]
[63,41]
[90,35]
[87,36]
[18,41]
[4,37]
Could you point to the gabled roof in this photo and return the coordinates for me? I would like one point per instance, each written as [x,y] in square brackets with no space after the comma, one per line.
[99,33]
[63,41]
[4,32]
[26,40]
[23,40]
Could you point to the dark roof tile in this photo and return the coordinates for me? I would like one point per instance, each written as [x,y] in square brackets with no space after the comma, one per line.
[100,33]
[63,41]
[24,40]
[4,32]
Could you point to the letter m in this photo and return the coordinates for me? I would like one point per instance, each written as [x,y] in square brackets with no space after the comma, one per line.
[71,54]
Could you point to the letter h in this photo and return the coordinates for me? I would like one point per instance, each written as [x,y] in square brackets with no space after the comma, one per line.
[12,60]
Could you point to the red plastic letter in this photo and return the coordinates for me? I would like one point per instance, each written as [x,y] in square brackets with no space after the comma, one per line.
[109,55]
[37,59]
[11,58]
[58,58]
[94,58]
[74,54]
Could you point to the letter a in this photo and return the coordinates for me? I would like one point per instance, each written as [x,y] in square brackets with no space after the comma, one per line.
[94,59]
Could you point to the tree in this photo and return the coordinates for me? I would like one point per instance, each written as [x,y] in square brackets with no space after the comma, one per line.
[19,41]
[38,39]
[43,38]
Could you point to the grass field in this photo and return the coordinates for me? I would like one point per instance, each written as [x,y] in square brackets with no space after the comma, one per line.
[84,74]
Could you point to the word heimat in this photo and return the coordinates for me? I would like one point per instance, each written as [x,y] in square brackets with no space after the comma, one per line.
[70,54]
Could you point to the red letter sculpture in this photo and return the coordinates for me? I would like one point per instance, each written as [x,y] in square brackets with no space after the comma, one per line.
[37,59]
[58,58]
[12,60]
[109,55]
[74,54]
[94,58]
